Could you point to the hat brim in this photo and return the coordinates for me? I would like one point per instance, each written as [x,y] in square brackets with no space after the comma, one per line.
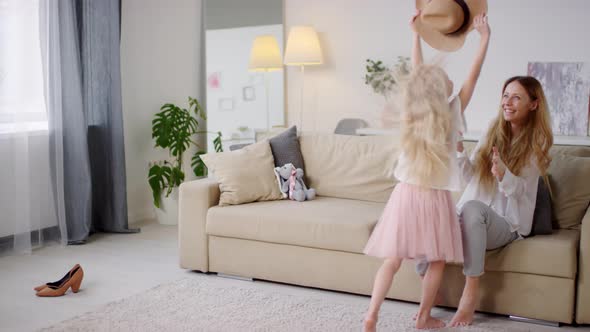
[449,42]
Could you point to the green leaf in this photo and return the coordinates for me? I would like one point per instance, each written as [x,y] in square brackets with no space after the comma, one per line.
[176,177]
[198,165]
[162,127]
[217,143]
[159,179]
[199,111]
[174,127]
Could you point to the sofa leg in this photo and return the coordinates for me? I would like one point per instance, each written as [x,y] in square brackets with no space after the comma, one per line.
[534,321]
[230,276]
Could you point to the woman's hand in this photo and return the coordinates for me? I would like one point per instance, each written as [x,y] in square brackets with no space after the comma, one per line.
[480,23]
[460,147]
[498,166]
[413,20]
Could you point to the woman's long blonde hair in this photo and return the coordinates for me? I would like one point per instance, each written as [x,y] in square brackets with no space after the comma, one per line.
[535,138]
[426,123]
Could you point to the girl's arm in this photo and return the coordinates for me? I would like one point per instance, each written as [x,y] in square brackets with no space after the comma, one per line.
[417,58]
[481,25]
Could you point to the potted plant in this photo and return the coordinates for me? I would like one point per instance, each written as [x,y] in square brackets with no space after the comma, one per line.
[383,81]
[174,129]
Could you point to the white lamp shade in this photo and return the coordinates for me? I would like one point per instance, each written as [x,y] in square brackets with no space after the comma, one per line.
[265,54]
[303,47]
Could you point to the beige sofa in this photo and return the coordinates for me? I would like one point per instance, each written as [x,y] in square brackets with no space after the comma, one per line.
[319,243]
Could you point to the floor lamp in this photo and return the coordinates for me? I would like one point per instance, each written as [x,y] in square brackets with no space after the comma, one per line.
[303,49]
[265,56]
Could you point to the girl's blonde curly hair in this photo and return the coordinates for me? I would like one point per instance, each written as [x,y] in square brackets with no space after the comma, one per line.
[426,124]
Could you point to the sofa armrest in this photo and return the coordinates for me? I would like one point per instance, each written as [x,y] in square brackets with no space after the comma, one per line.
[583,287]
[195,199]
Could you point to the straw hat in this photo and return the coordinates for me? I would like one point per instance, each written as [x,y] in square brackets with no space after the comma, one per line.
[444,24]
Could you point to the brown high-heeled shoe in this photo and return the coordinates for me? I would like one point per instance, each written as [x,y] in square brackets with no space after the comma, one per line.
[72,279]
[70,272]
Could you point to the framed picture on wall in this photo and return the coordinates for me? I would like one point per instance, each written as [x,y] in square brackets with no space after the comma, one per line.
[567,88]
[248,93]
[226,104]
[214,80]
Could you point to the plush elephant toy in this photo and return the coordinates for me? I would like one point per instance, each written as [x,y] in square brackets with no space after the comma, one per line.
[283,174]
[291,183]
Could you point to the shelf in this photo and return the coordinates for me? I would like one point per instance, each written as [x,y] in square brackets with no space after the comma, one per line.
[240,139]
[475,136]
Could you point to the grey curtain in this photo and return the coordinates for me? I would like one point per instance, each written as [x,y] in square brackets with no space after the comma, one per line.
[82,64]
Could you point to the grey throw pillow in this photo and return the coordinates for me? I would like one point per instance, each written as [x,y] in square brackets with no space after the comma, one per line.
[543,211]
[285,148]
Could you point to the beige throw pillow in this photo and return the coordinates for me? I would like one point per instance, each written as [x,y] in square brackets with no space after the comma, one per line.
[569,176]
[245,175]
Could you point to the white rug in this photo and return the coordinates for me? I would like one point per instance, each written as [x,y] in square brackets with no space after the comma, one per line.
[211,303]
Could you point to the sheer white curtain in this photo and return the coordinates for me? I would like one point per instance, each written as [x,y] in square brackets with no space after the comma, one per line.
[31,194]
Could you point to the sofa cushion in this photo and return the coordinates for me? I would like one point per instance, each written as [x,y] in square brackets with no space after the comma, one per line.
[551,255]
[325,223]
[578,151]
[244,175]
[543,215]
[345,225]
[286,150]
[353,167]
[571,190]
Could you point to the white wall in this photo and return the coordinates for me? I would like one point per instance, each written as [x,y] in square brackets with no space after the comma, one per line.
[160,57]
[228,54]
[160,63]
[351,31]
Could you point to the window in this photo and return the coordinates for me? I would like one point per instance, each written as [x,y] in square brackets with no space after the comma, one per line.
[22,103]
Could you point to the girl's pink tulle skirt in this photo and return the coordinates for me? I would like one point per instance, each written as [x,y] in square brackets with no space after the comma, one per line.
[418,223]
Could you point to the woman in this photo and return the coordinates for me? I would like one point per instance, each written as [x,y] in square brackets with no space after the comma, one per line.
[502,175]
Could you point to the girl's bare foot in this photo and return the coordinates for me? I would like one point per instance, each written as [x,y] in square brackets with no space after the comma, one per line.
[370,324]
[429,322]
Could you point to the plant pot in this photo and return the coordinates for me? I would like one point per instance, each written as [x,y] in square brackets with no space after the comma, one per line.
[167,214]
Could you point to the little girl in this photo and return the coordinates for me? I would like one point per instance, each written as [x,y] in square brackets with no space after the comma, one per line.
[419,220]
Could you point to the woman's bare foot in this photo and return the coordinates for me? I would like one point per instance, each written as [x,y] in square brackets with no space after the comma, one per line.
[370,324]
[429,322]
[438,300]
[462,318]
[466,310]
